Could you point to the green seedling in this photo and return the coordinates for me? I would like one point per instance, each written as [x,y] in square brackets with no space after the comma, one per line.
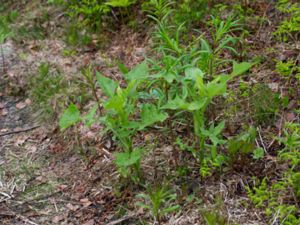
[290,26]
[128,161]
[198,95]
[242,144]
[159,201]
[222,40]
[123,116]
[157,8]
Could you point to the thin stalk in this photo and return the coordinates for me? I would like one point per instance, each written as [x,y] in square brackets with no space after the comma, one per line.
[198,124]
[3,61]
[95,95]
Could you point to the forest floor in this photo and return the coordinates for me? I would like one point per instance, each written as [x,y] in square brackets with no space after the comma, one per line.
[46,182]
[45,179]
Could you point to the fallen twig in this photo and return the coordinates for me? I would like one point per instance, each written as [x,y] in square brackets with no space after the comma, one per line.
[18,131]
[121,219]
[261,140]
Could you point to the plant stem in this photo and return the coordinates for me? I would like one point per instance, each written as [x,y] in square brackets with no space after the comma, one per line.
[3,61]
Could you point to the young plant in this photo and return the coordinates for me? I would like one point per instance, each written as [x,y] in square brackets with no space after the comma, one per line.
[159,201]
[287,69]
[129,163]
[122,106]
[221,41]
[47,86]
[157,8]
[242,144]
[280,199]
[289,27]
[123,115]
[197,95]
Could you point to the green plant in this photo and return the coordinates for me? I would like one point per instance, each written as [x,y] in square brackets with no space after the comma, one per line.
[157,8]
[75,37]
[214,218]
[280,198]
[122,105]
[291,141]
[159,201]
[199,52]
[270,197]
[288,69]
[213,215]
[264,104]
[221,40]
[291,23]
[46,86]
[190,12]
[4,31]
[129,164]
[242,144]
[121,108]
[197,95]
[93,14]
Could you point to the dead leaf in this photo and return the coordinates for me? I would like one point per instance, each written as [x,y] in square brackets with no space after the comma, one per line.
[21,105]
[62,187]
[39,178]
[72,207]
[3,112]
[79,214]
[57,219]
[28,101]
[290,117]
[85,202]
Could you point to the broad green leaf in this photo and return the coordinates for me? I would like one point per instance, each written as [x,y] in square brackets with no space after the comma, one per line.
[107,85]
[240,68]
[168,76]
[70,117]
[215,89]
[150,115]
[125,159]
[116,103]
[140,72]
[174,104]
[196,105]
[193,73]
[179,103]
